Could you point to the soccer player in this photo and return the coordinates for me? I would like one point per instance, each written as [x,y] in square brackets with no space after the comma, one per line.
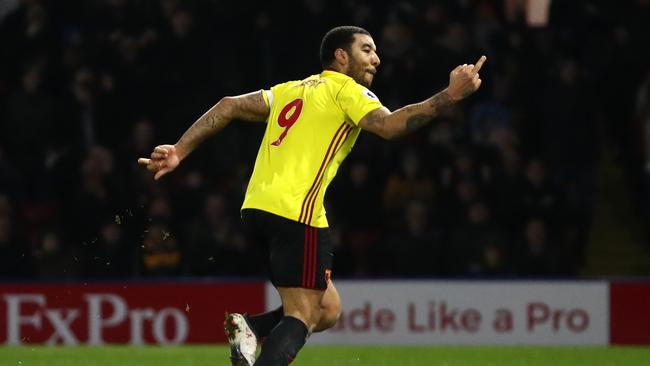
[311,126]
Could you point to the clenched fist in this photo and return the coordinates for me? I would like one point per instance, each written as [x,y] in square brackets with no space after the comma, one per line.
[464,80]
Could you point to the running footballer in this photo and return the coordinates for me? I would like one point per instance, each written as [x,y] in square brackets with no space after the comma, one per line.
[311,126]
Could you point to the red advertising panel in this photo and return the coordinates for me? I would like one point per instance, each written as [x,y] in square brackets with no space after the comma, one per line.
[134,313]
[630,313]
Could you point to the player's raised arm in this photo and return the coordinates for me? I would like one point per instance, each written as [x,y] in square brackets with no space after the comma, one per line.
[247,107]
[463,81]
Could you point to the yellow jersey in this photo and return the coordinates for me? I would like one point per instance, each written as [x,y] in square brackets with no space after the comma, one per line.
[312,126]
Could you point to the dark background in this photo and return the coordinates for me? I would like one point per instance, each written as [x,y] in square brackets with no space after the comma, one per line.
[544,172]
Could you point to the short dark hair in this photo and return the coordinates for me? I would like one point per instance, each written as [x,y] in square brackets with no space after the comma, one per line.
[339,37]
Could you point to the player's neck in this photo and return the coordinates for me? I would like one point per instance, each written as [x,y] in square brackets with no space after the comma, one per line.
[336,67]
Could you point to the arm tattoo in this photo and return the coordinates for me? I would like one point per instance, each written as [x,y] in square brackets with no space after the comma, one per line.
[436,103]
[250,107]
[416,121]
[440,101]
[215,122]
[375,118]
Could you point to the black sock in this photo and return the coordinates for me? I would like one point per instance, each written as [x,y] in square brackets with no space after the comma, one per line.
[284,342]
[262,324]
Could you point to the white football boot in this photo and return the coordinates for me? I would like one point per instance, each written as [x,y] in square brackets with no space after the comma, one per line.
[243,343]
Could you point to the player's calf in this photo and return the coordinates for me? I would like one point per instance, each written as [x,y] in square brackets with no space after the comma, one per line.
[284,342]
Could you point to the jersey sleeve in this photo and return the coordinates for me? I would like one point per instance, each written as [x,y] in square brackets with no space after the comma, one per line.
[267,95]
[356,101]
[274,93]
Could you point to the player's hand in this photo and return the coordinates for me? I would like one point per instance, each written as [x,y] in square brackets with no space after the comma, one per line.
[464,80]
[163,160]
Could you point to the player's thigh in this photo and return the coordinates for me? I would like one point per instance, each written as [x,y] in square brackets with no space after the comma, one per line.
[300,255]
[302,303]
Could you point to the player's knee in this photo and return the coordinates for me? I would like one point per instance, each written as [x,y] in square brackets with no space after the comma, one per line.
[310,316]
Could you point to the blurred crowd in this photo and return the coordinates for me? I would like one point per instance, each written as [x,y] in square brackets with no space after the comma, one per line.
[501,185]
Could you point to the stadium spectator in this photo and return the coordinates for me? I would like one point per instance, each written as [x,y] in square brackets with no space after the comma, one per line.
[415,234]
[53,259]
[410,183]
[534,252]
[356,223]
[477,245]
[538,196]
[29,123]
[110,256]
[213,244]
[160,255]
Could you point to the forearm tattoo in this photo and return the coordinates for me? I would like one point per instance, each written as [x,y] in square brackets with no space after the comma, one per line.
[416,121]
[440,101]
[436,103]
[215,122]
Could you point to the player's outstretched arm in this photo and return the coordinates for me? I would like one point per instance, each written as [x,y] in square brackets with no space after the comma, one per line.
[463,81]
[247,107]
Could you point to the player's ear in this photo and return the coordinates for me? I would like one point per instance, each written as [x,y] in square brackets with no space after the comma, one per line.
[341,56]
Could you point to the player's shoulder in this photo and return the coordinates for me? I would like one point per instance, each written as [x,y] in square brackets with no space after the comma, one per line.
[294,83]
[284,84]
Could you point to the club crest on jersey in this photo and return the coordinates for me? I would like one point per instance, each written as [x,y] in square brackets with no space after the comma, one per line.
[369,94]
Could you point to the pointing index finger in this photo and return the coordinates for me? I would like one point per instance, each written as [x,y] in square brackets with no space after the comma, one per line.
[479,64]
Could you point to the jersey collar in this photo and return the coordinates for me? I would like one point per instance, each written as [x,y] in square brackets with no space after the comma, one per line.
[331,72]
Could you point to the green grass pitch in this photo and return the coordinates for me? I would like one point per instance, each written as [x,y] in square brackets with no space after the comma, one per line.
[330,356]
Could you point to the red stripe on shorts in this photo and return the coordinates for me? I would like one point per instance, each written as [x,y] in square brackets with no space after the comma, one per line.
[305,255]
[312,252]
[315,256]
